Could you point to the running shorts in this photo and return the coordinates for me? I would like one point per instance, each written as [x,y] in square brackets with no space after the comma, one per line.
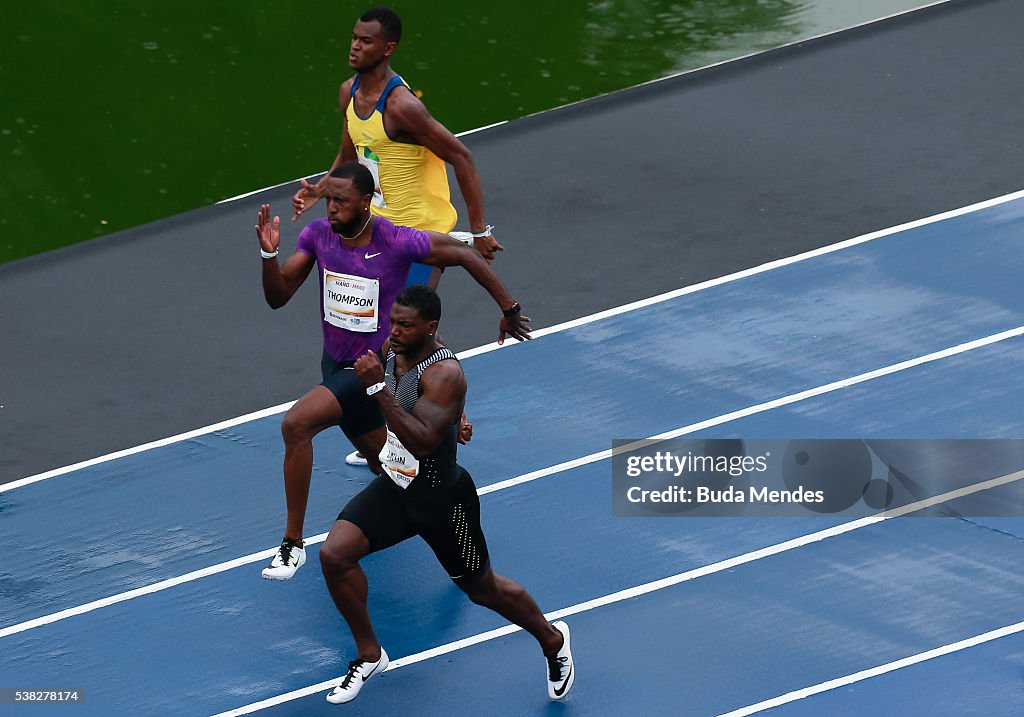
[447,518]
[360,413]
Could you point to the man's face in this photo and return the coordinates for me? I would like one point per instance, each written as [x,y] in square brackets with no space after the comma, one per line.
[410,332]
[346,207]
[369,46]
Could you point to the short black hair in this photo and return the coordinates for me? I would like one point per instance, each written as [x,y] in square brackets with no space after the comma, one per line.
[389,21]
[422,298]
[361,177]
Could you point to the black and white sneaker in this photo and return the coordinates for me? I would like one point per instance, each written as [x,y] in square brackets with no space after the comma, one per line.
[359,671]
[561,671]
[289,558]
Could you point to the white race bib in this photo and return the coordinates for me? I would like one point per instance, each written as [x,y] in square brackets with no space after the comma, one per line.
[351,302]
[400,465]
[370,160]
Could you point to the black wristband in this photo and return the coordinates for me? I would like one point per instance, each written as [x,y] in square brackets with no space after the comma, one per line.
[512,310]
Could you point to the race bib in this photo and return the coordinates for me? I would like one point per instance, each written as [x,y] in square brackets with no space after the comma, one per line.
[351,302]
[400,465]
[371,161]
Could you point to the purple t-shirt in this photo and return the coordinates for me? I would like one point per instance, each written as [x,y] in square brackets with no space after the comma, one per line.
[358,286]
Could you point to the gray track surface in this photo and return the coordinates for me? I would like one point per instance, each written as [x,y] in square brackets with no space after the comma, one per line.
[163,328]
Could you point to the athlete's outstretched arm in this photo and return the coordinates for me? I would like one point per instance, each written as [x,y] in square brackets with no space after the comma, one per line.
[279,282]
[445,251]
[442,395]
[408,116]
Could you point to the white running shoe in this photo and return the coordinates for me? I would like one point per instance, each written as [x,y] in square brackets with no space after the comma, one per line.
[289,558]
[561,672]
[355,458]
[359,671]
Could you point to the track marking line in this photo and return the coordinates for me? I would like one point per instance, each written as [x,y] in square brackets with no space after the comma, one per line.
[557,328]
[876,671]
[533,475]
[138,592]
[760,408]
[651,587]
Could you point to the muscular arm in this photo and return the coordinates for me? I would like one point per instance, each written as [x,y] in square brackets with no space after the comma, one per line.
[347,150]
[279,282]
[442,395]
[445,251]
[407,117]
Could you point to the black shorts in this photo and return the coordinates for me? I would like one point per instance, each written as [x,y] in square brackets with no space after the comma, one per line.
[447,519]
[360,413]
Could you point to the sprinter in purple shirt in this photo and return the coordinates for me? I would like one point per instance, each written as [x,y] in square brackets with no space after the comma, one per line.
[362,263]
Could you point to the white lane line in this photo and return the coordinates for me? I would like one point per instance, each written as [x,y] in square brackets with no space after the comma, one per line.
[651,587]
[139,592]
[195,433]
[534,475]
[761,408]
[876,671]
[575,323]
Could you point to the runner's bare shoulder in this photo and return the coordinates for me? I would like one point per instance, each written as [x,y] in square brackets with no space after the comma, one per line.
[345,92]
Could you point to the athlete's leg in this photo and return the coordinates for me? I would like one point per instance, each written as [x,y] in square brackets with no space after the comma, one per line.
[372,520]
[450,525]
[435,278]
[312,413]
[423,274]
[510,600]
[346,545]
[363,422]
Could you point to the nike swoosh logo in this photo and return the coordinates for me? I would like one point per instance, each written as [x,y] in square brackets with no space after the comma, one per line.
[370,256]
[560,692]
[366,677]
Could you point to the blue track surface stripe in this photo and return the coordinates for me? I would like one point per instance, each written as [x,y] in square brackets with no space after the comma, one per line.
[981,680]
[232,638]
[204,639]
[11,629]
[297,635]
[743,343]
[706,646]
[973,395]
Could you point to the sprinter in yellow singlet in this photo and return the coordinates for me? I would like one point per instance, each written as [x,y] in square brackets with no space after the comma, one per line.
[389,130]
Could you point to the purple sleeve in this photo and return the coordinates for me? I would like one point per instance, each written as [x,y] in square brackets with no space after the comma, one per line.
[416,243]
[306,243]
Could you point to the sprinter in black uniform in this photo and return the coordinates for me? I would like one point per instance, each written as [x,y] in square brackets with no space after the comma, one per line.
[424,492]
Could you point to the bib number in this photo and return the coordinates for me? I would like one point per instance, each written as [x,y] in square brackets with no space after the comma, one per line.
[351,302]
[400,465]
